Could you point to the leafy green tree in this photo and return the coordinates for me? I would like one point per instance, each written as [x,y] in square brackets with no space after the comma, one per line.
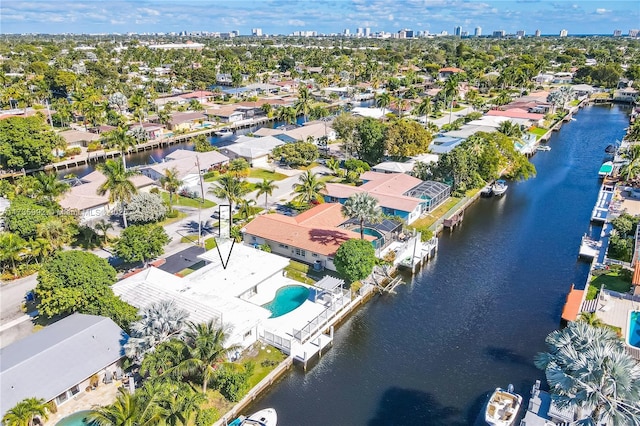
[12,249]
[355,259]
[206,349]
[24,412]
[407,138]
[77,281]
[266,187]
[297,153]
[233,382]
[309,188]
[364,208]
[371,135]
[141,243]
[118,184]
[202,144]
[25,142]
[24,215]
[145,208]
[346,127]
[238,167]
[589,370]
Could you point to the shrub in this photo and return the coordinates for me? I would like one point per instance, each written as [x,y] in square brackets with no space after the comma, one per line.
[94,146]
[234,384]
[145,208]
[354,164]
[207,417]
[76,150]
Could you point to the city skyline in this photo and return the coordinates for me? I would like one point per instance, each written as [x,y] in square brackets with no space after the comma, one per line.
[322,16]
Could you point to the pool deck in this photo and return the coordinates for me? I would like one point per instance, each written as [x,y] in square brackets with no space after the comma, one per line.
[104,394]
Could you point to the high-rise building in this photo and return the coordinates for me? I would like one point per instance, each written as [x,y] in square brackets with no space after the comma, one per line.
[520,33]
[346,32]
[563,33]
[478,32]
[360,32]
[256,32]
[367,32]
[457,31]
[537,33]
[634,33]
[617,33]
[499,33]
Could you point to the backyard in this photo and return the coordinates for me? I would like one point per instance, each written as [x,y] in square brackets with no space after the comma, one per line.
[618,280]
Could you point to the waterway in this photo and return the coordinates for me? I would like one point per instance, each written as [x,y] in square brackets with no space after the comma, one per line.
[474,318]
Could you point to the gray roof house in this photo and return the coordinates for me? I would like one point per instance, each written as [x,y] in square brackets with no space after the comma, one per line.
[56,362]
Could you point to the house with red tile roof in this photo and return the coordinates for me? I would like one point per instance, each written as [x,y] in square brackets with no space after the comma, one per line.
[398,194]
[535,118]
[312,236]
[445,73]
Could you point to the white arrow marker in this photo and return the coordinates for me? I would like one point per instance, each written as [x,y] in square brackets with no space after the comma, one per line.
[224,242]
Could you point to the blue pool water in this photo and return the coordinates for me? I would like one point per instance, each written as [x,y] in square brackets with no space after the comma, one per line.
[634,329]
[287,299]
[76,419]
[370,231]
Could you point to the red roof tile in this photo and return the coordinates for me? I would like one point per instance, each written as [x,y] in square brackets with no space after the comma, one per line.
[573,304]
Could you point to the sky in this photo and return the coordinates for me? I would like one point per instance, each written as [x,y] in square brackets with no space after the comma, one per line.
[323,16]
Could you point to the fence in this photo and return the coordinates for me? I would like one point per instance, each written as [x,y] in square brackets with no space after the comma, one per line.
[276,341]
[325,316]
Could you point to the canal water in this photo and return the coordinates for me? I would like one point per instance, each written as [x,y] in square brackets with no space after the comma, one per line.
[474,318]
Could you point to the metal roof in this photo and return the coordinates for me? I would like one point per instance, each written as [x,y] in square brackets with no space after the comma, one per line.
[385,226]
[62,355]
[428,188]
[329,283]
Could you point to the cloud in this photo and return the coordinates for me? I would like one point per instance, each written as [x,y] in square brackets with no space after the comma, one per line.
[296,22]
[601,11]
[390,17]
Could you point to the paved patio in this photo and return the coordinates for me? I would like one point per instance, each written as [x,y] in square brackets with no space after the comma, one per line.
[613,309]
[104,394]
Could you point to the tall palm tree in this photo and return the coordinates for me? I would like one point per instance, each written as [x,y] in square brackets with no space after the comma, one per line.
[49,186]
[383,100]
[136,409]
[333,164]
[425,108]
[231,189]
[265,187]
[158,323]
[103,226]
[363,207]
[287,114]
[180,402]
[303,104]
[122,140]
[451,90]
[23,413]
[246,207]
[205,345]
[56,231]
[309,188]
[171,182]
[118,184]
[589,370]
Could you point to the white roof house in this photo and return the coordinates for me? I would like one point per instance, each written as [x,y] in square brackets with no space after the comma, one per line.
[255,150]
[213,291]
[185,163]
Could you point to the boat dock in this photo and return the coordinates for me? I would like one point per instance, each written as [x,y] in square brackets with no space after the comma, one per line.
[589,248]
[413,253]
[601,209]
[541,410]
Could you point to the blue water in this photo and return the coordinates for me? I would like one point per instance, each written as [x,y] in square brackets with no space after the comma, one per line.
[76,419]
[368,231]
[287,299]
[634,329]
[476,315]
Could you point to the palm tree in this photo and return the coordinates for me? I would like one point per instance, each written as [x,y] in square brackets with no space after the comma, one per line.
[588,369]
[246,207]
[171,182]
[265,187]
[118,184]
[205,345]
[309,188]
[503,98]
[632,168]
[303,104]
[103,226]
[287,114]
[23,413]
[363,207]
[239,167]
[40,248]
[383,100]
[333,164]
[634,132]
[139,409]
[451,90]
[158,323]
[511,129]
[55,231]
[122,140]
[231,189]
[424,108]
[180,402]
[49,187]
[590,318]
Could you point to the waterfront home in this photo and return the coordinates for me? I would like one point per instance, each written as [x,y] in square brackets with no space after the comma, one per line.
[225,113]
[78,138]
[398,194]
[376,113]
[262,89]
[255,150]
[58,362]
[83,198]
[628,94]
[313,130]
[184,162]
[174,100]
[186,120]
[583,89]
[151,130]
[287,85]
[403,167]
[202,96]
[536,119]
[312,237]
[444,144]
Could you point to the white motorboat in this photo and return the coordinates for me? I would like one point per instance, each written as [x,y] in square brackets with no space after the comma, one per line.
[502,408]
[543,148]
[266,417]
[499,187]
[589,248]
[606,169]
[225,131]
[487,191]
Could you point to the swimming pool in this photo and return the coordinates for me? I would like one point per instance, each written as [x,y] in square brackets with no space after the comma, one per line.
[76,419]
[287,299]
[368,231]
[633,338]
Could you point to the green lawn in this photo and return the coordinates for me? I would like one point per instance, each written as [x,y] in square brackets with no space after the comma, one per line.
[188,202]
[538,131]
[209,243]
[614,280]
[298,271]
[179,216]
[266,174]
[265,361]
[431,218]
[574,102]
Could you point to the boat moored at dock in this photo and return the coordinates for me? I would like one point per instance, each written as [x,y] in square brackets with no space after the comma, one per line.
[500,187]
[225,131]
[502,408]
[266,417]
[606,169]
[543,148]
